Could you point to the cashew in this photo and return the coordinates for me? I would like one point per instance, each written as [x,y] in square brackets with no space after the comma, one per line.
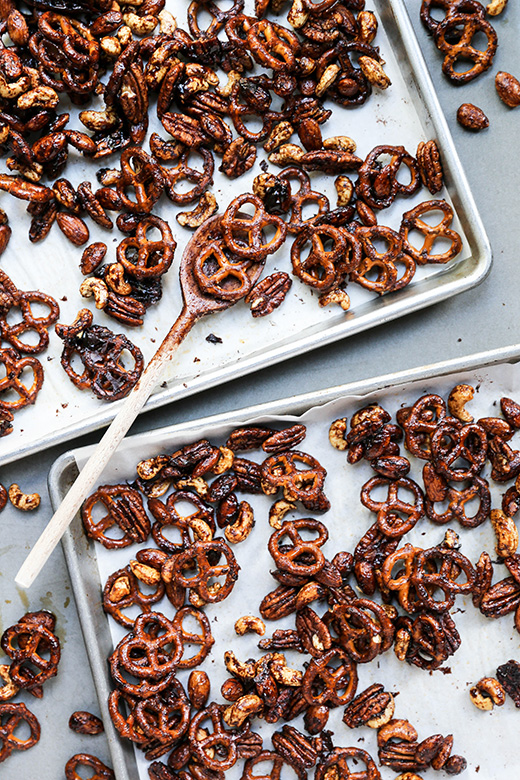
[311,591]
[141,25]
[340,143]
[340,297]
[144,573]
[250,623]
[486,693]
[242,708]
[9,689]
[40,97]
[329,76]
[119,589]
[111,46]
[383,717]
[32,172]
[451,540]
[297,16]
[506,533]
[199,485]
[246,670]
[337,432]
[201,530]
[278,512]
[408,776]
[225,461]
[240,530]
[115,279]
[401,644]
[496,7]
[159,488]
[24,501]
[285,675]
[457,399]
[206,207]
[124,35]
[167,22]
[232,78]
[286,154]
[148,469]
[367,24]
[344,189]
[97,288]
[373,71]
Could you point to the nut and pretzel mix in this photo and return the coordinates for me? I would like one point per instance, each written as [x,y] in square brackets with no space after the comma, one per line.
[347,581]
[269,120]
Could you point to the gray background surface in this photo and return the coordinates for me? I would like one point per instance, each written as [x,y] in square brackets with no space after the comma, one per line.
[483,318]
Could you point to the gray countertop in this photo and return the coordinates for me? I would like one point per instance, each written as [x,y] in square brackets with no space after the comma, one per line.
[481,319]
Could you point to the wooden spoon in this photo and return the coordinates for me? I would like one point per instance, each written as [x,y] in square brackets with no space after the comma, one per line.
[207,287]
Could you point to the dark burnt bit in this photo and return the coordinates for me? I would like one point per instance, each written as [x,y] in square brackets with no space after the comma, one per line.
[212,339]
[508,675]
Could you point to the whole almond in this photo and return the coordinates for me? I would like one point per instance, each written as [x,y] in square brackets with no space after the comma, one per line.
[472,117]
[508,89]
[73,228]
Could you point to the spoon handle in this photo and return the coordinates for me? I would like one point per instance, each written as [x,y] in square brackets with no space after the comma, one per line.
[91,471]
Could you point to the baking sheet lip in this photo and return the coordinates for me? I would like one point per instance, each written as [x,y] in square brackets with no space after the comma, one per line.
[476,269]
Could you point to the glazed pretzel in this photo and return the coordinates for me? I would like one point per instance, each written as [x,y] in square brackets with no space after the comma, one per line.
[66,52]
[457,498]
[400,580]
[303,557]
[458,451]
[114,603]
[305,485]
[140,173]
[28,322]
[101,771]
[136,688]
[469,8]
[121,707]
[183,172]
[433,638]
[11,716]
[304,196]
[244,236]
[124,508]
[464,28]
[438,568]
[204,639]
[412,221]
[332,685]
[361,634]
[201,557]
[13,381]
[395,516]
[35,653]
[277,765]
[145,259]
[219,18]
[324,268]
[272,45]
[351,87]
[220,275]
[217,749]
[378,184]
[153,649]
[201,519]
[165,717]
[336,764]
[384,263]
[419,423]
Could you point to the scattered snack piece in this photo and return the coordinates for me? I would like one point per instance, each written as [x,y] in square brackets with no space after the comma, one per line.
[27,502]
[486,693]
[83,722]
[508,89]
[508,675]
[471,117]
[11,717]
[85,760]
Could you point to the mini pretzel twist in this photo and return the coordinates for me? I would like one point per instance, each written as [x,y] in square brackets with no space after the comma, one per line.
[183,172]
[141,174]
[458,451]
[345,762]
[272,45]
[145,259]
[11,716]
[457,498]
[364,629]
[384,263]
[219,18]
[101,771]
[305,485]
[245,236]
[391,510]
[378,183]
[14,380]
[202,557]
[204,747]
[303,557]
[304,196]
[35,653]
[412,221]
[122,591]
[333,685]
[124,508]
[419,423]
[204,639]
[20,301]
[220,274]
[465,29]
[324,268]
[153,649]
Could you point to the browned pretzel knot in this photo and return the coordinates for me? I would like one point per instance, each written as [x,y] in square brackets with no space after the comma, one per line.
[136,688]
[214,746]
[35,653]
[464,29]
[153,649]
[339,763]
[378,183]
[458,451]
[396,575]
[438,568]
[82,760]
[383,263]
[361,634]
[220,274]
[14,299]
[164,718]
[450,8]
[412,221]
[303,557]
[272,45]
[67,54]
[167,515]
[143,258]
[303,197]
[124,508]
[419,423]
[203,639]
[327,682]
[12,715]
[121,707]
[183,172]
[244,235]
[299,484]
[268,758]
[456,499]
[351,87]
[217,15]
[202,561]
[140,173]
[103,354]
[395,516]
[325,266]
[15,367]
[122,591]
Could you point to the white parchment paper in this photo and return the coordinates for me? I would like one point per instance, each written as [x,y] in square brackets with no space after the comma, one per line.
[388,117]
[436,702]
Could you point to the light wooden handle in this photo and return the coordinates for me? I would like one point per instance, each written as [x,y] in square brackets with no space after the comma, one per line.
[84,483]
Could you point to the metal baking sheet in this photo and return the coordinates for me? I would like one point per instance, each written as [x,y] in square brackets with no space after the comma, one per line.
[406,113]
[434,703]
